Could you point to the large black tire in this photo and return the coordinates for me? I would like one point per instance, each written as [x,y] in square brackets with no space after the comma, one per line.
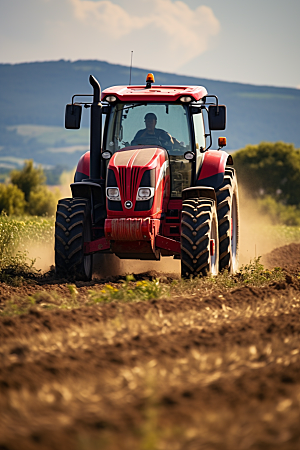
[199,235]
[73,228]
[228,219]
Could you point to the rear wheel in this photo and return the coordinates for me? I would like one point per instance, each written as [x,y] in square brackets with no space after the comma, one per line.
[199,238]
[228,219]
[72,228]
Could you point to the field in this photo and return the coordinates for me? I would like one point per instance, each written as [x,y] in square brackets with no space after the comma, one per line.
[152,364]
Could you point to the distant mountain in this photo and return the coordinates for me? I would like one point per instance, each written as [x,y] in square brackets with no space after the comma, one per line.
[33,98]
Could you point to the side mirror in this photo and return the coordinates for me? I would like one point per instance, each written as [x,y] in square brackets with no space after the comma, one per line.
[217,119]
[73,116]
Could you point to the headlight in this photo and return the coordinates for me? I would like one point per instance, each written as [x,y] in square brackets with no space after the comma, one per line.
[190,156]
[111,98]
[106,155]
[112,193]
[186,99]
[144,193]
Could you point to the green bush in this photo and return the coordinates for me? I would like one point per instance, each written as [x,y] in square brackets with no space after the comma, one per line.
[28,179]
[270,169]
[41,202]
[27,193]
[12,199]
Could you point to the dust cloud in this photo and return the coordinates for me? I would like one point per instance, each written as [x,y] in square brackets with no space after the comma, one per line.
[43,254]
[256,238]
[65,180]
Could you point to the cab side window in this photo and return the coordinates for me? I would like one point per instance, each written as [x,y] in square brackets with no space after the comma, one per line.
[199,136]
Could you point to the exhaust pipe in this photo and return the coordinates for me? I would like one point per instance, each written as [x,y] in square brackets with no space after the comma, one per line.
[95,131]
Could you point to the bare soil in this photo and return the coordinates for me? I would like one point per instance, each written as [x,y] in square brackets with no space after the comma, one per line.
[215,370]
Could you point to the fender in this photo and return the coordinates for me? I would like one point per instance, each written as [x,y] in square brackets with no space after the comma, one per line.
[213,168]
[93,192]
[83,168]
[199,192]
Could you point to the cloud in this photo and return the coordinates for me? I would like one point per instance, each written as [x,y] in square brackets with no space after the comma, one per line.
[164,35]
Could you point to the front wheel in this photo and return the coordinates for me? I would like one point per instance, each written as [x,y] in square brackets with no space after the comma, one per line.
[72,229]
[199,238]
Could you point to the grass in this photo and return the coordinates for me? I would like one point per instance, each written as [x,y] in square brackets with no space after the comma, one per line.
[130,291]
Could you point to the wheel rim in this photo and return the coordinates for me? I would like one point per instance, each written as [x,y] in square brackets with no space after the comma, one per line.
[213,255]
[233,232]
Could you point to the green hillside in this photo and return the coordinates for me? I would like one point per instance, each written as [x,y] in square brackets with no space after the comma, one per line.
[33,98]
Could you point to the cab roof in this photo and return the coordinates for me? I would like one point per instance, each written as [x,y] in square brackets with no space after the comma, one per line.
[155,93]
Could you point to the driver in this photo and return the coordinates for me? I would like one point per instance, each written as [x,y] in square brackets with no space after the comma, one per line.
[151,133]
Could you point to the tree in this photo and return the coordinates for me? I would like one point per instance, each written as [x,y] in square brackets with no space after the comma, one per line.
[28,179]
[29,182]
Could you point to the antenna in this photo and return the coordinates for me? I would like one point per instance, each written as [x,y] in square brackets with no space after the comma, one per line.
[130,68]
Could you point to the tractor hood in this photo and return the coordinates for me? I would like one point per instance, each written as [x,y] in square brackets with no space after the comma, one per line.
[137,181]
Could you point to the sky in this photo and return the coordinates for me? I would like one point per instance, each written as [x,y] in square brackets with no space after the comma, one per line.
[243,41]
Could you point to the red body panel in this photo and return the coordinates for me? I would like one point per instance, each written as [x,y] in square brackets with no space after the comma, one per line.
[129,166]
[83,165]
[155,93]
[214,162]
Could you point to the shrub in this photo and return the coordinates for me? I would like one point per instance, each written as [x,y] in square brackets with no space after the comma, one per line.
[28,179]
[12,199]
[270,169]
[42,202]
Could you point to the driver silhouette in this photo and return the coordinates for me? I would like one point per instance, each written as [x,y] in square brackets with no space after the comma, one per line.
[151,134]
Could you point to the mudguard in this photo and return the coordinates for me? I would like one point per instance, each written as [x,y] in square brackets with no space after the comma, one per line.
[83,168]
[213,168]
[198,192]
[93,192]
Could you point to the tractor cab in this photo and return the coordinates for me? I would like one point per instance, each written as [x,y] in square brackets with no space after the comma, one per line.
[165,125]
[166,116]
[152,186]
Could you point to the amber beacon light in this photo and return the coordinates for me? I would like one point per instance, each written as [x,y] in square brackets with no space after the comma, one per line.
[149,80]
[222,142]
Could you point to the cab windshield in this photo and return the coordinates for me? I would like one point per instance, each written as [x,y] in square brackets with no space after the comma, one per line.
[161,124]
[148,124]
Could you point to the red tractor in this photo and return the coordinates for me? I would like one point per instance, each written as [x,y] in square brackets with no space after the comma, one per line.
[152,187]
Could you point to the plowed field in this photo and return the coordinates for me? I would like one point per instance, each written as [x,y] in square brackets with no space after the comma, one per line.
[219,369]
